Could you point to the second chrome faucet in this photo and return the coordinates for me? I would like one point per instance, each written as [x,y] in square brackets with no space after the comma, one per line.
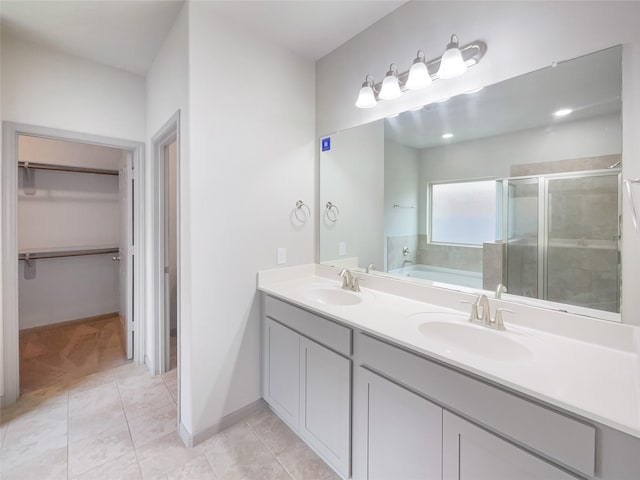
[481,313]
[349,282]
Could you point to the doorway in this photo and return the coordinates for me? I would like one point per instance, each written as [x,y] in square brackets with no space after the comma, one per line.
[166,166]
[70,204]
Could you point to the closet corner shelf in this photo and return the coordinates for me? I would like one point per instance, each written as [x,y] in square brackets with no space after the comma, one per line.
[58,252]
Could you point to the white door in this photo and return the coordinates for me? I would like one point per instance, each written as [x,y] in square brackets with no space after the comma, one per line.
[126,250]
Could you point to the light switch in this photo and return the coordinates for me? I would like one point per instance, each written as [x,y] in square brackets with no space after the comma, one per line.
[282,256]
[342,248]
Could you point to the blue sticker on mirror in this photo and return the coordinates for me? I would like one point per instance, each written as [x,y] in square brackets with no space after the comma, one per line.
[326,144]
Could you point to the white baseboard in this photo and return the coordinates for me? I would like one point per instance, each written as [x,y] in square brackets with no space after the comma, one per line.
[191,440]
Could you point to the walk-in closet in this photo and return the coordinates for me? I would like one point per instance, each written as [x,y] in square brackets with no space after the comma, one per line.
[73,221]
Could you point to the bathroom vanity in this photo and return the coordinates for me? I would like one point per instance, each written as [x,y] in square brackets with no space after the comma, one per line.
[393,383]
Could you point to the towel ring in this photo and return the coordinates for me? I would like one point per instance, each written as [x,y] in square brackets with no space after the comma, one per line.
[299,206]
[332,212]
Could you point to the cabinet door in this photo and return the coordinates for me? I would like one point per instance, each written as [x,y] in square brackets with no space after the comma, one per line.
[404,432]
[326,404]
[471,453]
[283,371]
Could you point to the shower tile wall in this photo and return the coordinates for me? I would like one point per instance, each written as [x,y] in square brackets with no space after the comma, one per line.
[449,256]
[492,264]
[395,258]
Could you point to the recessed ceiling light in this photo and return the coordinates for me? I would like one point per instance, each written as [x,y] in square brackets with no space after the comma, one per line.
[475,90]
[447,135]
[563,112]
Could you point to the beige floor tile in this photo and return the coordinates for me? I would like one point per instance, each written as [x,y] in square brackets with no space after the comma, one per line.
[275,434]
[130,370]
[35,402]
[88,454]
[238,454]
[52,465]
[152,424]
[91,381]
[303,464]
[197,469]
[34,435]
[171,379]
[140,397]
[92,424]
[102,397]
[122,468]
[164,455]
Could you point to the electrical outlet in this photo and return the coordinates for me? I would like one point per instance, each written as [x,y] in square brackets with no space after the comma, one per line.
[282,256]
[342,248]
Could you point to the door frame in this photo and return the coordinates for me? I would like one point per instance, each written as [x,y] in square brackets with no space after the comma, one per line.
[9,256]
[166,135]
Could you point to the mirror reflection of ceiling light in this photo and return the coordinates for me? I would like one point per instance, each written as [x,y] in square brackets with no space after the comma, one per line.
[446,136]
[563,112]
[454,62]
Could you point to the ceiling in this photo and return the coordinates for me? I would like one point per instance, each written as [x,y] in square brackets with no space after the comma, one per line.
[590,85]
[128,34]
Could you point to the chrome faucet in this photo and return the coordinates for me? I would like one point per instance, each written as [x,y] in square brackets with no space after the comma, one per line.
[500,289]
[349,282]
[370,267]
[483,302]
[484,319]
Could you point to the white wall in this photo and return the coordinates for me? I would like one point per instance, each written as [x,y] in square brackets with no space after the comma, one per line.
[401,181]
[352,177]
[76,210]
[251,158]
[516,44]
[51,89]
[167,93]
[493,156]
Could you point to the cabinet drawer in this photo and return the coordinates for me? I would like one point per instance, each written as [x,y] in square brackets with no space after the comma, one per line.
[562,439]
[326,332]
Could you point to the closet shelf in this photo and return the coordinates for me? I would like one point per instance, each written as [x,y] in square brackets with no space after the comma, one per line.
[66,168]
[59,252]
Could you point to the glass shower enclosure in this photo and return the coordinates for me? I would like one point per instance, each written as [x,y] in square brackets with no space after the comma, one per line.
[563,238]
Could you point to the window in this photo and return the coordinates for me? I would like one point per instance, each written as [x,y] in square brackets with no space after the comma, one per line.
[465,212]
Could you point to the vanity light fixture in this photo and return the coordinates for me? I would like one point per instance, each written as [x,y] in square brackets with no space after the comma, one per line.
[563,112]
[418,73]
[446,136]
[390,85]
[454,62]
[367,97]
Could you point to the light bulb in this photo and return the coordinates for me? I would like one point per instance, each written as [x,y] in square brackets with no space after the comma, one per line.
[418,74]
[452,64]
[366,98]
[390,86]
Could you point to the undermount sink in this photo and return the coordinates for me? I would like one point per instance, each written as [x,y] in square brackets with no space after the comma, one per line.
[477,340]
[333,296]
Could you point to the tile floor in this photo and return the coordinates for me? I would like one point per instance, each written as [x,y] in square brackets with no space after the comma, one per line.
[120,424]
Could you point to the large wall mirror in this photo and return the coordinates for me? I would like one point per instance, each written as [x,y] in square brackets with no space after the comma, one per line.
[518,184]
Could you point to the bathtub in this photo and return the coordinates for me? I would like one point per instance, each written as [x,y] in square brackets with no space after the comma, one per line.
[449,276]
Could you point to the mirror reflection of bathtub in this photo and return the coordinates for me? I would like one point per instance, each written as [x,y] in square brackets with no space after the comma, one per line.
[441,275]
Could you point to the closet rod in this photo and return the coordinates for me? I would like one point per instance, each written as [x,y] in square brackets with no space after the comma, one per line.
[66,168]
[67,253]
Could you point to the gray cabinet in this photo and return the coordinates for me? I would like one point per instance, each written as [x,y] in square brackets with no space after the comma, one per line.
[326,403]
[403,434]
[282,389]
[472,453]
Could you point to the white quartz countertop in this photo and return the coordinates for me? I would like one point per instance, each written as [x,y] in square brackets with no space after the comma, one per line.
[594,381]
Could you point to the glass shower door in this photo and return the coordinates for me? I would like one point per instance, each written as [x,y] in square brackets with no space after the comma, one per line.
[522,274]
[582,260]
